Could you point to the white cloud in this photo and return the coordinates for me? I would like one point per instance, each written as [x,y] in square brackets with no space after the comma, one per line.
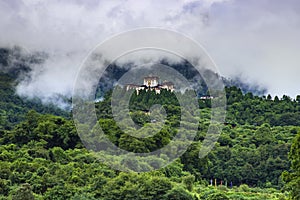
[256,38]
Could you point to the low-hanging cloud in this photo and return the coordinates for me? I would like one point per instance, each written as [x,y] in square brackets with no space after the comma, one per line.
[258,39]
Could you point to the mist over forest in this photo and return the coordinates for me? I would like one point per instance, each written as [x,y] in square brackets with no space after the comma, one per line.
[148,100]
[44,157]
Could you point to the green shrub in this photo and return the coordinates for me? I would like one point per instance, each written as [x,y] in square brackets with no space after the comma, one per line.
[217,196]
[244,188]
[24,192]
[237,197]
[178,193]
[188,181]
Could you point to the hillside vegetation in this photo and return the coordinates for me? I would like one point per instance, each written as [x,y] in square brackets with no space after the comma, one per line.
[257,156]
[42,156]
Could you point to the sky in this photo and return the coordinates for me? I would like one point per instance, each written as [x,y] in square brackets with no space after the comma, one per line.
[257,41]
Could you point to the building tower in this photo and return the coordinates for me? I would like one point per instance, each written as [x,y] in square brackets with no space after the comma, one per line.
[151,81]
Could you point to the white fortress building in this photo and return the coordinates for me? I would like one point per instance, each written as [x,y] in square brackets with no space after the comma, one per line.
[151,83]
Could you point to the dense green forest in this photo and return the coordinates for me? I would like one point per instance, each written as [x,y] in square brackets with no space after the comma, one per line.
[256,157]
[42,156]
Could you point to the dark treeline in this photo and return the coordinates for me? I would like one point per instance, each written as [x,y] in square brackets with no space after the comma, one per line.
[250,109]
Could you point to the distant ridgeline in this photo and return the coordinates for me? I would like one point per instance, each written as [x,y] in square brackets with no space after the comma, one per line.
[14,64]
[14,61]
[244,106]
[114,72]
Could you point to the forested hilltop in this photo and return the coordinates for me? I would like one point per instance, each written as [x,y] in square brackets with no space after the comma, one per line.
[256,156]
[42,156]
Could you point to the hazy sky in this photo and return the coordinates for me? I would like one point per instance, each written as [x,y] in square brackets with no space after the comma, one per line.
[257,40]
